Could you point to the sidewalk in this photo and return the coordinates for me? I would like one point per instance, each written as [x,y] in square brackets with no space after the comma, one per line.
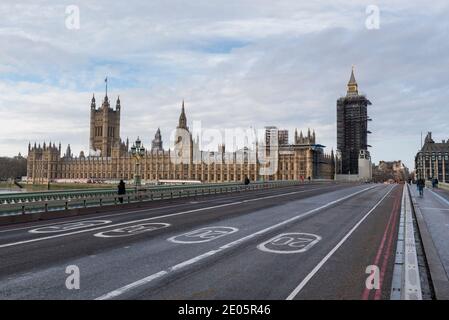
[433,210]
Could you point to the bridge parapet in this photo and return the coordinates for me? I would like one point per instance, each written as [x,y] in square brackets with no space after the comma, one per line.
[33,202]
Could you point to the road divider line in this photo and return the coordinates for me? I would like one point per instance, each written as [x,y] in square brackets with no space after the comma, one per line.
[440,197]
[317,268]
[367,291]
[146,280]
[388,252]
[141,220]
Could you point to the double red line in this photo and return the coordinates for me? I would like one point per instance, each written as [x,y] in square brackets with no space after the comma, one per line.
[384,251]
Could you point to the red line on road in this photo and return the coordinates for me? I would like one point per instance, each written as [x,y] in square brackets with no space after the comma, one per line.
[387,252]
[387,232]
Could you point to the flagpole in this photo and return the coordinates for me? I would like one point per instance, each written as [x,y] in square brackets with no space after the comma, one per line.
[106,80]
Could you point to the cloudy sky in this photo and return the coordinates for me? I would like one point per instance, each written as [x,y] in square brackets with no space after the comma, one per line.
[237,63]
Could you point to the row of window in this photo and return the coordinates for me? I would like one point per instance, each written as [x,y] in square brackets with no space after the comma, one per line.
[98,131]
[205,177]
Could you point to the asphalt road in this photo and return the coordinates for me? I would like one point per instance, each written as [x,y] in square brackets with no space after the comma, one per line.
[311,241]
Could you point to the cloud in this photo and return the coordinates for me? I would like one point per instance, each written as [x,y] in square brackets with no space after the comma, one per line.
[236,63]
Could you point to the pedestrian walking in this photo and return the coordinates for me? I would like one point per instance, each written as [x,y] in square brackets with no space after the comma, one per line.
[421,183]
[121,190]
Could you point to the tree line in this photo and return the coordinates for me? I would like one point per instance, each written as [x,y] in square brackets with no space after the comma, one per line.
[12,167]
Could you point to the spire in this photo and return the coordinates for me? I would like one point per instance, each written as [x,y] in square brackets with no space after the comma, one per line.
[352,84]
[117,105]
[182,118]
[156,144]
[106,104]
[106,82]
[93,105]
[68,152]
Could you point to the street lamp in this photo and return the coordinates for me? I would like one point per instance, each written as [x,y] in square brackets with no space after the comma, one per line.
[138,151]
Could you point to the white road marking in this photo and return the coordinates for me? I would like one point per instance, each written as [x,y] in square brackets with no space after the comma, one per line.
[140,220]
[440,197]
[69,226]
[304,282]
[96,217]
[131,230]
[203,235]
[288,243]
[161,208]
[146,280]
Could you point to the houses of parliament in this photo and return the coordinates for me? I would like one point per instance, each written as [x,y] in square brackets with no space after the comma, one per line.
[110,158]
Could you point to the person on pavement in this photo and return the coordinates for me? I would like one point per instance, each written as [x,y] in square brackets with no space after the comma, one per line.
[121,190]
[421,185]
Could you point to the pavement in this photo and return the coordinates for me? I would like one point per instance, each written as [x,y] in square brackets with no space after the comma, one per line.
[313,241]
[433,209]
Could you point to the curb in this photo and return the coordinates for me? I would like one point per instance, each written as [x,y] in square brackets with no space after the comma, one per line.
[406,284]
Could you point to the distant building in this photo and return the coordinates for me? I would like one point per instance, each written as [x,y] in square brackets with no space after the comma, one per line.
[111,159]
[272,131]
[352,133]
[432,160]
[390,171]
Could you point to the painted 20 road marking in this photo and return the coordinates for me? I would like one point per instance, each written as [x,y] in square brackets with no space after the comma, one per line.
[287,243]
[69,226]
[203,235]
[131,230]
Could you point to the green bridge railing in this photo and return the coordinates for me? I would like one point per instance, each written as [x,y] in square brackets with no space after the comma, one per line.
[44,201]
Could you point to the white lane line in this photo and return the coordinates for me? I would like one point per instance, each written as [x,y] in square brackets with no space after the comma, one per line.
[152,209]
[440,197]
[339,244]
[146,280]
[140,220]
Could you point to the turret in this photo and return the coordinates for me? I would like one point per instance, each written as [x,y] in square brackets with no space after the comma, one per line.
[117,105]
[156,144]
[352,85]
[93,105]
[183,119]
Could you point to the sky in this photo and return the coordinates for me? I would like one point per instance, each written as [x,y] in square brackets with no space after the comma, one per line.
[236,63]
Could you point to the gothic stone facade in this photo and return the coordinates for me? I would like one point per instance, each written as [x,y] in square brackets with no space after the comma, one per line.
[432,161]
[110,158]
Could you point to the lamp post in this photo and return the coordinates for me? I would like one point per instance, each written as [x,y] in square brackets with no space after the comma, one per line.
[138,151]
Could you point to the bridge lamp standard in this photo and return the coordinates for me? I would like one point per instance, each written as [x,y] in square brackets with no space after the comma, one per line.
[137,151]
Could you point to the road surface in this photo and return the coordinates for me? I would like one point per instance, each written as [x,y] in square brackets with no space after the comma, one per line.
[313,241]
